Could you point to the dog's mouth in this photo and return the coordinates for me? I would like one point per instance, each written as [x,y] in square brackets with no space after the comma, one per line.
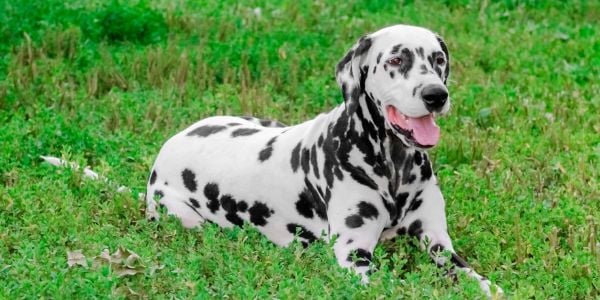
[421,131]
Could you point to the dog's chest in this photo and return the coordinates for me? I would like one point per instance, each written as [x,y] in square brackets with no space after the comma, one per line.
[412,172]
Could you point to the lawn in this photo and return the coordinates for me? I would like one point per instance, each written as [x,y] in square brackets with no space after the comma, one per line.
[104,83]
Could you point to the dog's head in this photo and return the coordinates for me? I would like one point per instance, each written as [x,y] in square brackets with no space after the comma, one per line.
[403,70]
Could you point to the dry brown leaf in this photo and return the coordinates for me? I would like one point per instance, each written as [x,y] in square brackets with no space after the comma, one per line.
[155,268]
[103,258]
[76,257]
[127,271]
[127,292]
[123,262]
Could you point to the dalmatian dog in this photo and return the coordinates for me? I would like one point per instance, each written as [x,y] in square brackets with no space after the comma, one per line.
[359,172]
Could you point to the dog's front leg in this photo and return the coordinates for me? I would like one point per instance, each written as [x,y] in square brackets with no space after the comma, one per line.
[356,216]
[428,222]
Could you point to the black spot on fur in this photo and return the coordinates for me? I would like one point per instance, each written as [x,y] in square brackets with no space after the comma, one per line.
[320,141]
[228,203]
[415,228]
[345,60]
[354,221]
[206,130]
[438,71]
[304,206]
[305,160]
[319,205]
[313,161]
[379,57]
[396,48]
[420,52]
[359,174]
[458,261]
[327,195]
[153,177]
[367,210]
[230,206]
[302,232]
[374,69]
[400,201]
[264,154]
[189,180]
[430,60]
[195,202]
[437,248]
[407,176]
[414,93]
[244,132]
[363,257]
[445,50]
[363,46]
[417,158]
[242,206]
[259,213]
[364,70]
[354,95]
[159,194]
[362,263]
[295,160]
[426,171]
[401,231]
[415,202]
[392,74]
[234,219]
[211,192]
[349,241]
[233,124]
[408,58]
[345,91]
[392,211]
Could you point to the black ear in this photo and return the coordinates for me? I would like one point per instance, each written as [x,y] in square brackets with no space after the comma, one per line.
[445,49]
[349,73]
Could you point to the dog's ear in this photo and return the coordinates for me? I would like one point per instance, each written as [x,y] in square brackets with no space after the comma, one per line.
[349,72]
[445,50]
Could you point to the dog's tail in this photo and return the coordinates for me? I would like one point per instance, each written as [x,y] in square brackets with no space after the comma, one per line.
[87,172]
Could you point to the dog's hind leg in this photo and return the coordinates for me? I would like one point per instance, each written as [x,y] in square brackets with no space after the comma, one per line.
[427,221]
[185,208]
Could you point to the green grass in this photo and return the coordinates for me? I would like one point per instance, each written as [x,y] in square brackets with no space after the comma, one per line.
[105,83]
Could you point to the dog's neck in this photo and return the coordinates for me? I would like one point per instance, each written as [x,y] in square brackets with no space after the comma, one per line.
[359,127]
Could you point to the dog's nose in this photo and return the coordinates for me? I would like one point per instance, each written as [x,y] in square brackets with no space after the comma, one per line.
[435,96]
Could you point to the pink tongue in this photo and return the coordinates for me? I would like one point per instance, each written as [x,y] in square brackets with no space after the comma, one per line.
[425,131]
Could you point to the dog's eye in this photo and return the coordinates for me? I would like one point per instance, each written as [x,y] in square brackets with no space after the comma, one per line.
[440,60]
[396,61]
